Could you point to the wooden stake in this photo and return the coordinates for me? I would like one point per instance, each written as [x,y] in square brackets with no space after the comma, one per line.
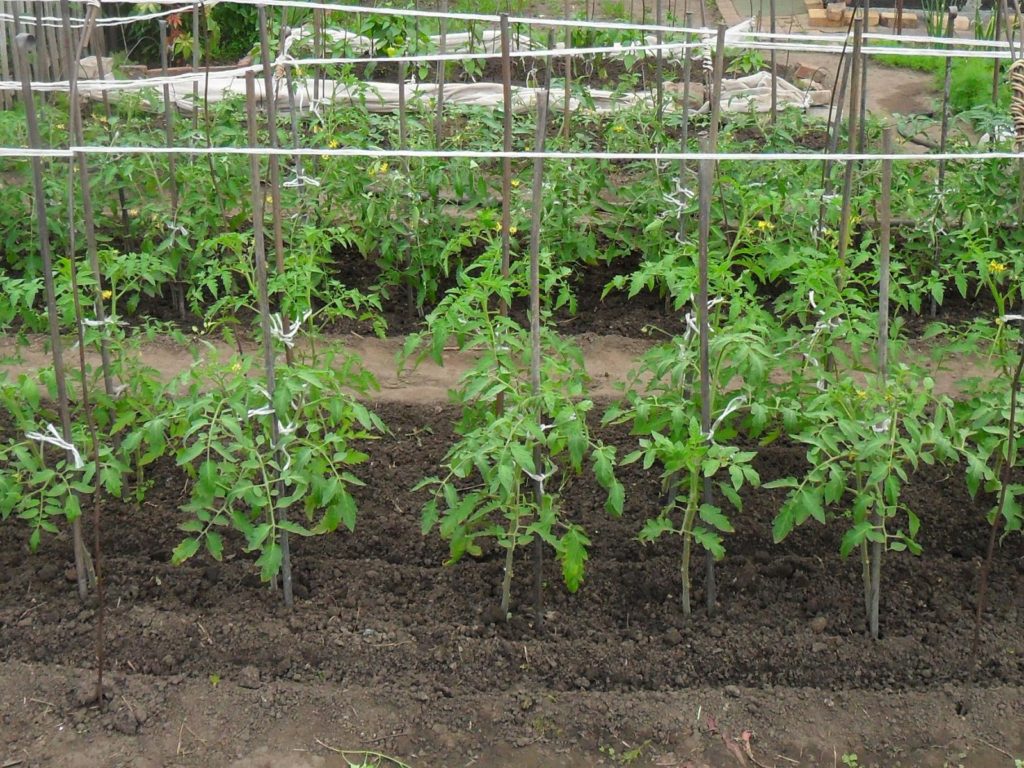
[506,162]
[439,117]
[76,136]
[997,63]
[24,43]
[774,64]
[538,201]
[5,66]
[567,110]
[659,72]
[853,131]
[684,138]
[195,69]
[121,197]
[706,170]
[885,218]
[940,184]
[270,100]
[168,123]
[259,248]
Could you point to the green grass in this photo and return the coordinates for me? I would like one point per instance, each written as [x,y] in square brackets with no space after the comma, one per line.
[971,83]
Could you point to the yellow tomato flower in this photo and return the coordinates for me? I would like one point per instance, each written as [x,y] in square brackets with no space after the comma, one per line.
[107,294]
[618,128]
[765,226]
[333,144]
[996,266]
[516,183]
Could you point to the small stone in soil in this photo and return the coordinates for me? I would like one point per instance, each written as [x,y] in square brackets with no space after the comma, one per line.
[249,677]
[732,691]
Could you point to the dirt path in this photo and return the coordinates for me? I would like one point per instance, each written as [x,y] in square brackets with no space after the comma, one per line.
[609,359]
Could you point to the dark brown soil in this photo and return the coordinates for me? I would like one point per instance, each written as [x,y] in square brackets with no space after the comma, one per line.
[382,622]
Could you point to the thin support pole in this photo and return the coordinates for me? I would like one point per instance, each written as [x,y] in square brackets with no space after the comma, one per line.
[178,288]
[853,136]
[259,248]
[24,43]
[538,201]
[108,112]
[168,123]
[717,74]
[5,66]
[885,232]
[997,63]
[706,177]
[835,125]
[195,68]
[403,144]
[684,135]
[940,182]
[76,132]
[567,108]
[774,65]
[659,69]
[439,117]
[270,100]
[506,162]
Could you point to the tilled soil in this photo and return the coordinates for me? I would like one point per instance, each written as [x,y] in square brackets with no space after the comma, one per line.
[389,649]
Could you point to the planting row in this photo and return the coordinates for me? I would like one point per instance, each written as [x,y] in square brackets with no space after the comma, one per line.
[266,465]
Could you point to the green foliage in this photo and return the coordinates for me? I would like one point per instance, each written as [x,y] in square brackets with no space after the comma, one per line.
[663,405]
[252,460]
[503,480]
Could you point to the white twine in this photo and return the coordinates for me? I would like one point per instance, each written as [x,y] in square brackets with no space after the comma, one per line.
[283,430]
[539,479]
[497,154]
[299,181]
[278,332]
[53,437]
[732,406]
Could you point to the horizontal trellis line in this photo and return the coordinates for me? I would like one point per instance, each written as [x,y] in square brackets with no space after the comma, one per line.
[24,152]
[288,61]
[77,22]
[548,22]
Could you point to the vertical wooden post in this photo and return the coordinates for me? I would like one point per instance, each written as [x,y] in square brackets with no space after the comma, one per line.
[270,100]
[885,220]
[195,67]
[24,43]
[5,67]
[263,298]
[774,65]
[506,145]
[853,131]
[567,110]
[168,123]
[684,137]
[659,69]
[538,202]
[76,137]
[439,117]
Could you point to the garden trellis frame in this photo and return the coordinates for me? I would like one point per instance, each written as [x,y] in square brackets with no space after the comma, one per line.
[48,74]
